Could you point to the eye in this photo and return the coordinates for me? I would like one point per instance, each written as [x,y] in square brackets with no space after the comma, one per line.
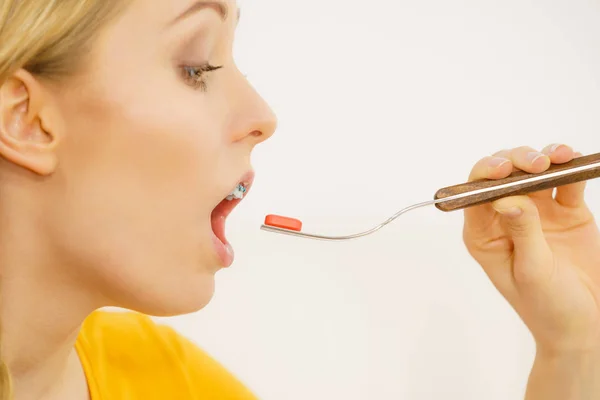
[196,76]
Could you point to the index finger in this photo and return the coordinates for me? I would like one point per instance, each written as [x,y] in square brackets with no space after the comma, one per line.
[478,218]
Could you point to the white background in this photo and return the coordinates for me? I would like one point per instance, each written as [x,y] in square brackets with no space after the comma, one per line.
[380,104]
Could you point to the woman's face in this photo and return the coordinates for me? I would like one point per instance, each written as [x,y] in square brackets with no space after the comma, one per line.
[152,143]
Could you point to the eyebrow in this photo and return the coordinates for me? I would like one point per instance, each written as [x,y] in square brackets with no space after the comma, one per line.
[220,6]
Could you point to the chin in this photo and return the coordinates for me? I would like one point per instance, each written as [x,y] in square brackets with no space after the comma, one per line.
[187,297]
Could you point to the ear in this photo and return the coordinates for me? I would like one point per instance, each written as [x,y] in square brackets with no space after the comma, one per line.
[25,135]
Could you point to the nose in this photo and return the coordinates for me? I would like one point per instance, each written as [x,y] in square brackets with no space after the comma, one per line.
[256,121]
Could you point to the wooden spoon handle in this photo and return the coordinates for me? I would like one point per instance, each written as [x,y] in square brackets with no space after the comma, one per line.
[518,183]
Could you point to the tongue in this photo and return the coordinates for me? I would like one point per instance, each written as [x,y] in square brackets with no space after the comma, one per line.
[218,227]
[218,217]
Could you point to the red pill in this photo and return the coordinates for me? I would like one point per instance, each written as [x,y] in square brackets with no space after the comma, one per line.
[277,221]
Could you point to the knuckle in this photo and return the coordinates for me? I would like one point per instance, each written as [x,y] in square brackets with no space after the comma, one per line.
[521,154]
[525,226]
[520,229]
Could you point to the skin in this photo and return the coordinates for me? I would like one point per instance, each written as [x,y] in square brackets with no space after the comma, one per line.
[542,253]
[109,179]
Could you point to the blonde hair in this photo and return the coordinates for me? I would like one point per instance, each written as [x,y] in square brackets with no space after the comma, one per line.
[48,38]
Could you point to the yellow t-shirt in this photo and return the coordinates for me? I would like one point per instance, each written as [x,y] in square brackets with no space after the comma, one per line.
[126,356]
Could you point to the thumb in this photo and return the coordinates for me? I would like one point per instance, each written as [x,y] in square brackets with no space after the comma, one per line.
[532,256]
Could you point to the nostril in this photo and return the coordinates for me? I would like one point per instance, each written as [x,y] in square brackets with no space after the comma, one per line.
[256,133]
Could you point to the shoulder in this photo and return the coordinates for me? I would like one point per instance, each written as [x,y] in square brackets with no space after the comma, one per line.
[131,347]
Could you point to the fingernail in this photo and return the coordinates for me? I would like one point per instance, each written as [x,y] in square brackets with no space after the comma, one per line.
[510,212]
[534,156]
[551,149]
[497,162]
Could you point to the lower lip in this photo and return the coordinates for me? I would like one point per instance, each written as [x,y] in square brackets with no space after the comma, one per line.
[224,251]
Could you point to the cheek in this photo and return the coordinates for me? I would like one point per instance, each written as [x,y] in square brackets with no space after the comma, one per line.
[134,191]
[146,157]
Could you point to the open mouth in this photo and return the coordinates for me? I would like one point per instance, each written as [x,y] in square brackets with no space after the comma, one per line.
[227,205]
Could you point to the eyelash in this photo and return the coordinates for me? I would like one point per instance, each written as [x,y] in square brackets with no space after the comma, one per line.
[196,76]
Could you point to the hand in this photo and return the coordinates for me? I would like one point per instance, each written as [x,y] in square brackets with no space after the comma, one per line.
[541,251]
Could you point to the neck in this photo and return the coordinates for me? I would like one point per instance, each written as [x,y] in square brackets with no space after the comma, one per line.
[40,317]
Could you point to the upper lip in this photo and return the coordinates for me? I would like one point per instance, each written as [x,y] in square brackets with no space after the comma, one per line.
[247,179]
[224,208]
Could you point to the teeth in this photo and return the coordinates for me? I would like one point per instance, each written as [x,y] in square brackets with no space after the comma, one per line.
[237,193]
